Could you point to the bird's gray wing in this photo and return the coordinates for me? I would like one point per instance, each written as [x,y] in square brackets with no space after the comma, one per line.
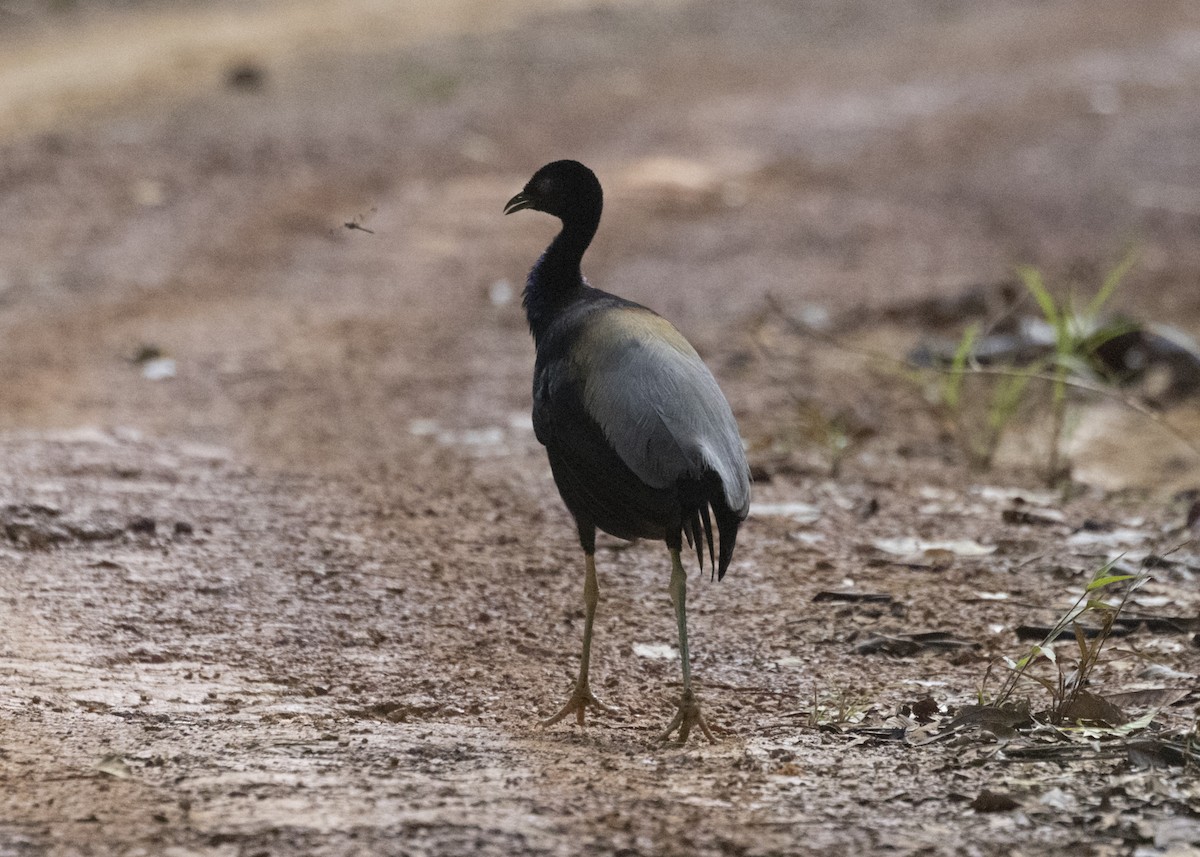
[659,406]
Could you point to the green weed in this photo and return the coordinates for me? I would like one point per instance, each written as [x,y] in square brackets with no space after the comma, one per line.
[841,707]
[1070,699]
[1078,332]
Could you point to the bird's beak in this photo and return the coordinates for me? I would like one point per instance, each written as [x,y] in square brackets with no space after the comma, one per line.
[517,203]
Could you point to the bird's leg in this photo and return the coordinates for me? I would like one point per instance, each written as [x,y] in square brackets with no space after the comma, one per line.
[688,714]
[582,697]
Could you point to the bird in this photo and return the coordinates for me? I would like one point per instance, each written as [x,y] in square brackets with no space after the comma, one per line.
[641,441]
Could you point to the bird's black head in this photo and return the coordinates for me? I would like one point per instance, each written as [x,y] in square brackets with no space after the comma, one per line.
[565,189]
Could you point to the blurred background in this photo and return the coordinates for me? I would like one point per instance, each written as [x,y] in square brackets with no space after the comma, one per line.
[181,186]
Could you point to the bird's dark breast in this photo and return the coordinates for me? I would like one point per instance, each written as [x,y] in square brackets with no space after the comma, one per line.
[596,485]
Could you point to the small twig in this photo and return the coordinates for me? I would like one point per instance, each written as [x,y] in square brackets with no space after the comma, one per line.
[760,691]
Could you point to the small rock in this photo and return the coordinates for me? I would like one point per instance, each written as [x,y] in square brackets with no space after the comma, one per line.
[500,293]
[158,369]
[143,525]
[994,802]
[246,76]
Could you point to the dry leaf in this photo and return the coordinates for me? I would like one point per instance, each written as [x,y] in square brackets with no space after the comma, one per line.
[114,766]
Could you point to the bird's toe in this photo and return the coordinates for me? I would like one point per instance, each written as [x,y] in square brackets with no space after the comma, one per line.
[687,717]
[578,704]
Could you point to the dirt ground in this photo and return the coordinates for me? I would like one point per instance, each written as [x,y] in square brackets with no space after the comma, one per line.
[283,567]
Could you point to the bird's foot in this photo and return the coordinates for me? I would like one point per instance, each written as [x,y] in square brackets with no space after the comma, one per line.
[579,701]
[686,718]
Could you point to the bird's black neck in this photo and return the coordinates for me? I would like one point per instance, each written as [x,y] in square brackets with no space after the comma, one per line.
[555,281]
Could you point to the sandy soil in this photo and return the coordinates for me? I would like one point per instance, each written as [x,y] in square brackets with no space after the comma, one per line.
[311,593]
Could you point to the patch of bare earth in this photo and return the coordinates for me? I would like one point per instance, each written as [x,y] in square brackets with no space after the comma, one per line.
[311,591]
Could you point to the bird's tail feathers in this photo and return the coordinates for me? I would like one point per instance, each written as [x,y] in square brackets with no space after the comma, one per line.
[707,521]
[698,530]
[728,522]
